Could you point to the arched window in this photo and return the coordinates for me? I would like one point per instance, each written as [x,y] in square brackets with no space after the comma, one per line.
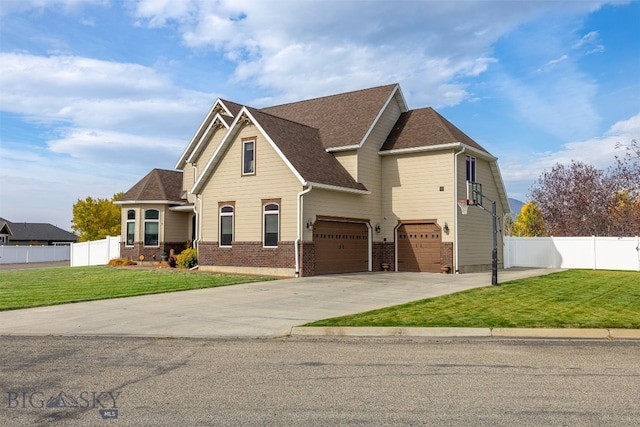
[131,227]
[271,224]
[226,225]
[151,227]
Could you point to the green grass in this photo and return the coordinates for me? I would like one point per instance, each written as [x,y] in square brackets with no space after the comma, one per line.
[570,299]
[40,287]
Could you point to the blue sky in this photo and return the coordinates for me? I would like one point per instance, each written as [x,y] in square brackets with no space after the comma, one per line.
[95,93]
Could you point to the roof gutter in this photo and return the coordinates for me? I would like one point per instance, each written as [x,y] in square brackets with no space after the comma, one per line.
[449,146]
[336,188]
[151,202]
[299,229]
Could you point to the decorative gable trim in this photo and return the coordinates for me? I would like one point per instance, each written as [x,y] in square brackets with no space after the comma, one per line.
[219,108]
[216,123]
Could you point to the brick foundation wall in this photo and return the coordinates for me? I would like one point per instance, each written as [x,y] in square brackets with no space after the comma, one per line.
[133,252]
[446,255]
[247,254]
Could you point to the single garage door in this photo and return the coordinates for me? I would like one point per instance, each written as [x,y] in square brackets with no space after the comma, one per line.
[419,247]
[340,247]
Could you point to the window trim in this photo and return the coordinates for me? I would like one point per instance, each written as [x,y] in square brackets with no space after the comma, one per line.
[245,142]
[265,213]
[130,221]
[151,221]
[222,214]
[470,168]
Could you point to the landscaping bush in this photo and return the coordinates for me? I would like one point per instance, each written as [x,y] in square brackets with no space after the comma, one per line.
[119,262]
[188,258]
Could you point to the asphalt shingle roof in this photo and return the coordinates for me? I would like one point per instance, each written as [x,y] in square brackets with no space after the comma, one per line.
[423,128]
[342,119]
[302,146]
[159,184]
[36,231]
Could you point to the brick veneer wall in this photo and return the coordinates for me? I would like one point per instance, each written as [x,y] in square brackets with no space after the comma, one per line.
[247,254]
[307,266]
[383,253]
[133,252]
[446,255]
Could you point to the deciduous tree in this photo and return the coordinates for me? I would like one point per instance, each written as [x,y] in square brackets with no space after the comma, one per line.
[529,222]
[581,200]
[95,219]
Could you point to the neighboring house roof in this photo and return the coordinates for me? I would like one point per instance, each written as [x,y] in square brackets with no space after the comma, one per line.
[344,119]
[159,185]
[4,228]
[425,127]
[35,231]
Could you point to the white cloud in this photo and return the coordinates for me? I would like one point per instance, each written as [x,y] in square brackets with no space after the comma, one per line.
[549,65]
[599,151]
[87,98]
[303,49]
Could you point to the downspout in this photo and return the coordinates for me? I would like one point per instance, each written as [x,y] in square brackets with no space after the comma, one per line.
[299,229]
[455,192]
[197,221]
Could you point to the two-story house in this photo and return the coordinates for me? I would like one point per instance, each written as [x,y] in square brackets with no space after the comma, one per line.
[345,183]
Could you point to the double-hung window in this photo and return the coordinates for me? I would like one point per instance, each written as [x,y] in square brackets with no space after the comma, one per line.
[226,225]
[248,157]
[131,227]
[271,224]
[471,169]
[151,227]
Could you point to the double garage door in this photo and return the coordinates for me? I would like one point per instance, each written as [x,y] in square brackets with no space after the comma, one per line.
[419,247]
[340,247]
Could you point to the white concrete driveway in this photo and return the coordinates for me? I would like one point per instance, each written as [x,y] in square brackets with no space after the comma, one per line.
[263,309]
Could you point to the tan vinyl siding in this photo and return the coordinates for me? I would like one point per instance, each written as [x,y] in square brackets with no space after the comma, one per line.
[188,179]
[368,171]
[273,179]
[349,161]
[206,150]
[475,229]
[209,148]
[411,189]
[176,226]
[335,204]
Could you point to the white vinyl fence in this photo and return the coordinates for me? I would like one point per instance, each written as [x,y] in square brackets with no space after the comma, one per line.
[27,254]
[97,252]
[598,253]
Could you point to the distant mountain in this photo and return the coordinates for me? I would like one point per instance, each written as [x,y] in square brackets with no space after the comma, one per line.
[516,206]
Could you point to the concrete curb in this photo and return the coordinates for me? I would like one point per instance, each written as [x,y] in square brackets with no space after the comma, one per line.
[565,333]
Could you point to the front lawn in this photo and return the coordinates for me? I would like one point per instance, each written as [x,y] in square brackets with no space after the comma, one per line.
[39,287]
[570,299]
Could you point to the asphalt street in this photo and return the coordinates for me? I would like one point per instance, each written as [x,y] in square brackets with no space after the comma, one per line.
[109,381]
